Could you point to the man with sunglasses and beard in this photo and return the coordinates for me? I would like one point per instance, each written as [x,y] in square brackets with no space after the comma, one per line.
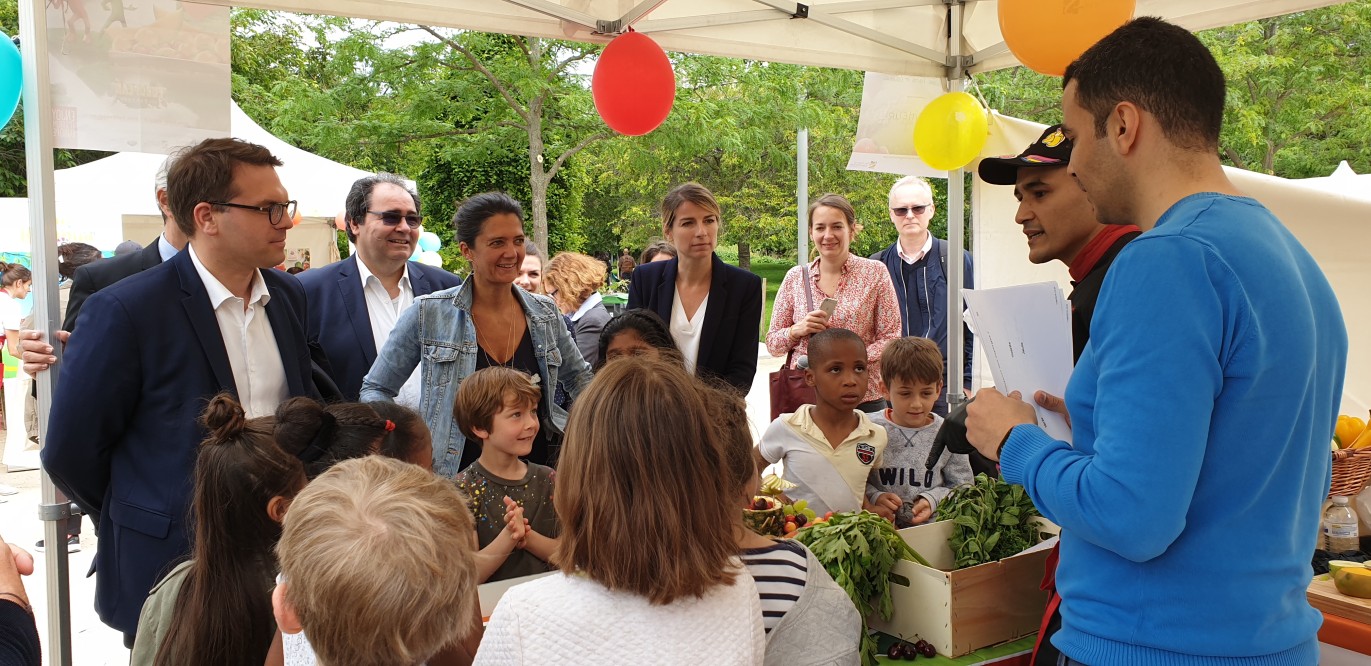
[354,303]
[918,267]
[153,348]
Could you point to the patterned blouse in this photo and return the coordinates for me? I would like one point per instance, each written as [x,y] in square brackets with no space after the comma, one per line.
[866,306]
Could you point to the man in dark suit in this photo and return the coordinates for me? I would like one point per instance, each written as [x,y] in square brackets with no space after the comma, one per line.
[917,262]
[354,303]
[155,347]
[100,274]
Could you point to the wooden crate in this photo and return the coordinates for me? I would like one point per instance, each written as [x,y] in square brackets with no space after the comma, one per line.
[968,609]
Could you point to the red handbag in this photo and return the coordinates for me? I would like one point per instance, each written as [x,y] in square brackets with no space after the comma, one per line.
[789,390]
[788,387]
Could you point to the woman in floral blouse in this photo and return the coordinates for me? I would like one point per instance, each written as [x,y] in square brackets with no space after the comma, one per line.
[865,296]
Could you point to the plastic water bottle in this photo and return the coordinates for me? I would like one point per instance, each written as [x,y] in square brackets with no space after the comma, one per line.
[1340,527]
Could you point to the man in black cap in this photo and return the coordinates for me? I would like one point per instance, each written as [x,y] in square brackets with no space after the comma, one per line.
[1060,222]
[1061,225]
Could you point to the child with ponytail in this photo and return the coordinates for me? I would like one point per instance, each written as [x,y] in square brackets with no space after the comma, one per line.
[216,608]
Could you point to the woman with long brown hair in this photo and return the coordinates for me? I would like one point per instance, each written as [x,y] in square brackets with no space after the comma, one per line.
[216,608]
[648,560]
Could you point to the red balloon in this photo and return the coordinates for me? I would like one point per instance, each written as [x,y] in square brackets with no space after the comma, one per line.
[633,84]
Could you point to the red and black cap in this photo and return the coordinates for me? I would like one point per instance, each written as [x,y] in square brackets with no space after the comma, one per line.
[1052,149]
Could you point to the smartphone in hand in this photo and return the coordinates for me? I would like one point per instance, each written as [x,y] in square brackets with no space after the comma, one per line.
[828,306]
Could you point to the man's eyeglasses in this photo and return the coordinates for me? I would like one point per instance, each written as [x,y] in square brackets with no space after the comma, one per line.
[391,218]
[275,212]
[905,210]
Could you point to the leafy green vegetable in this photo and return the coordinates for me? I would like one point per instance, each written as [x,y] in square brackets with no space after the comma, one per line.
[859,550]
[991,519]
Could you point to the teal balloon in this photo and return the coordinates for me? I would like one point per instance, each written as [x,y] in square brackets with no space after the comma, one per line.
[429,242]
[11,78]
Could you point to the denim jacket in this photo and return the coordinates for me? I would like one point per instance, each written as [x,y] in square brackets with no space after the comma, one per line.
[437,334]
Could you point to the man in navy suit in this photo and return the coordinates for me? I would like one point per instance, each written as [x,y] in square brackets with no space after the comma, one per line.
[97,275]
[151,351]
[354,303]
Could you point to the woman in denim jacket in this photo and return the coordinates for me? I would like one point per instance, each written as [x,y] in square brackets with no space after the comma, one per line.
[486,321]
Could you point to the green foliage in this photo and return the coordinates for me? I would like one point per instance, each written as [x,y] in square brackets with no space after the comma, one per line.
[1299,91]
[992,520]
[858,550]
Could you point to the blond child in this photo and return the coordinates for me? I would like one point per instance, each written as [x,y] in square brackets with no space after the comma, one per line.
[511,499]
[912,380]
[377,565]
[830,447]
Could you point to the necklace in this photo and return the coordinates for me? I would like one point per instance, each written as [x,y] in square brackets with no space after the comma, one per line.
[509,345]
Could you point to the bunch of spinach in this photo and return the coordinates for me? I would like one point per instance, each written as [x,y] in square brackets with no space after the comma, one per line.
[858,550]
[992,520]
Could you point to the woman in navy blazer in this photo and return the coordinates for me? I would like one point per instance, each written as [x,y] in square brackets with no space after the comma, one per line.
[713,310]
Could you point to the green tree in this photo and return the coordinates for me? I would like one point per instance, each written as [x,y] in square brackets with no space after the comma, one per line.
[1299,91]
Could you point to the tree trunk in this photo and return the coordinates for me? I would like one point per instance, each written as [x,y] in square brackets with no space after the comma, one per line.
[538,177]
[745,255]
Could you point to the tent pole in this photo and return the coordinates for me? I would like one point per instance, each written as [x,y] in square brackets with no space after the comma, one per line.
[802,193]
[38,142]
[802,189]
[956,241]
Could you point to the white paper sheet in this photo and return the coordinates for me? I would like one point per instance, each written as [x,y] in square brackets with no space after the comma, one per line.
[1025,332]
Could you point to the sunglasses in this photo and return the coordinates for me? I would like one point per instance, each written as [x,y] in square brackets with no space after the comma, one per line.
[391,218]
[905,210]
[276,213]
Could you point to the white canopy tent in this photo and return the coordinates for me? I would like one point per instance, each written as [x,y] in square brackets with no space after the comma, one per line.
[892,36]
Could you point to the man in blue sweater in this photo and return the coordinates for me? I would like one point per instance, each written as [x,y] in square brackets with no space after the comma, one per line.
[1202,405]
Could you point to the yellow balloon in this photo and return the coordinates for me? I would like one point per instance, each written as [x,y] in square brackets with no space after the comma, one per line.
[951,131]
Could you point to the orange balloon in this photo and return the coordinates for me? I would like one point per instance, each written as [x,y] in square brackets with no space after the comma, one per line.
[1046,35]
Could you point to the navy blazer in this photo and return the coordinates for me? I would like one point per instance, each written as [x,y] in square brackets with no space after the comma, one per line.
[733,318]
[124,432]
[340,323]
[102,273]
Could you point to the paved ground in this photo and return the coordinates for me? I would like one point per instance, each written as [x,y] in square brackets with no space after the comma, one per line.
[94,644]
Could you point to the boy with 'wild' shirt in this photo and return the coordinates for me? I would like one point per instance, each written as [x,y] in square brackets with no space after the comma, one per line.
[911,380]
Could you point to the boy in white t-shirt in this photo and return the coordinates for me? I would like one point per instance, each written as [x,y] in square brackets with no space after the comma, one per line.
[829,448]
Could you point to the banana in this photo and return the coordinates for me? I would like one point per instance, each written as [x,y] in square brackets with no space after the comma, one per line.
[1363,440]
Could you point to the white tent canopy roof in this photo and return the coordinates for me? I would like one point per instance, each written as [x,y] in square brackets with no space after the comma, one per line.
[891,36]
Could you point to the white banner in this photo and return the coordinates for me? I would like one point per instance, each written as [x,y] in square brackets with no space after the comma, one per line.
[138,75]
[885,129]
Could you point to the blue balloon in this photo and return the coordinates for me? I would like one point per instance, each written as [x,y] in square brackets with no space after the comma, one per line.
[11,78]
[429,242]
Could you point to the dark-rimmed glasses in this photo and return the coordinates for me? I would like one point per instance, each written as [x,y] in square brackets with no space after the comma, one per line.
[392,218]
[275,212]
[905,210]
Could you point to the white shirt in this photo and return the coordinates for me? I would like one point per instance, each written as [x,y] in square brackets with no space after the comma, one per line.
[572,620]
[164,249]
[591,302]
[686,331]
[383,311]
[9,312]
[258,374]
[928,245]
